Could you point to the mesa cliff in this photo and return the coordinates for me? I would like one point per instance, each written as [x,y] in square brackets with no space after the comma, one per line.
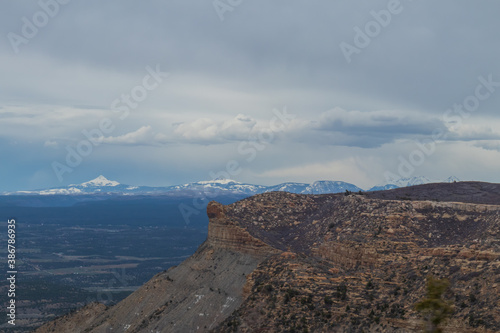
[281,262]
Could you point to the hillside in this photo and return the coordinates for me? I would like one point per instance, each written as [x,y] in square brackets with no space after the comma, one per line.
[281,262]
[472,192]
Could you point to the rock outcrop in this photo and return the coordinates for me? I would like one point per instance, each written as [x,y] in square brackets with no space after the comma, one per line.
[224,233]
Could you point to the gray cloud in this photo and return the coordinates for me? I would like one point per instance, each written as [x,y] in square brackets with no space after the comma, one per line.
[264,55]
[489,145]
[142,136]
[369,129]
[206,130]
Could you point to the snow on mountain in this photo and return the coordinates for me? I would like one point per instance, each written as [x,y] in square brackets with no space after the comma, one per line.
[288,187]
[418,180]
[98,185]
[218,185]
[383,187]
[99,181]
[69,190]
[102,185]
[218,181]
[328,186]
[451,179]
[318,187]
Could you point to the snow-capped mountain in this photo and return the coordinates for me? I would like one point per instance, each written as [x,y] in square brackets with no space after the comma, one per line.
[288,187]
[98,185]
[383,187]
[327,186]
[318,187]
[417,180]
[99,182]
[102,185]
[221,185]
[451,179]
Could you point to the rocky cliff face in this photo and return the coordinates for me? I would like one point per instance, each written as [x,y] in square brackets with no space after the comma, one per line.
[281,262]
[226,233]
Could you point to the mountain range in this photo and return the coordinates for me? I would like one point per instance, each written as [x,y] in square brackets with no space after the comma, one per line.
[102,185]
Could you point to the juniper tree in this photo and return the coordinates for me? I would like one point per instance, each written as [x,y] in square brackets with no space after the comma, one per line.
[434,309]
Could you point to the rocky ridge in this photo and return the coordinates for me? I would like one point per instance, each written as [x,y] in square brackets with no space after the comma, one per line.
[281,262]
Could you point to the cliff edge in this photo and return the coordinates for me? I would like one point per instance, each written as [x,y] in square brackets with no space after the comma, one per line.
[281,262]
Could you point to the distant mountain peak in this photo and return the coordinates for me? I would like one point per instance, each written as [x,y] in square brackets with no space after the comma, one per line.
[100,181]
[218,181]
[451,179]
[330,186]
[411,181]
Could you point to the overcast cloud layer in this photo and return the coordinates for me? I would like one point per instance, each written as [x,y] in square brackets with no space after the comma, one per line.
[291,90]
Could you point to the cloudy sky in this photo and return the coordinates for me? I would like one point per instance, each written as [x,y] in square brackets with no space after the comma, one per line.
[168,92]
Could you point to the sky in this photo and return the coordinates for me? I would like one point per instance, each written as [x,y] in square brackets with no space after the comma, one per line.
[169,92]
